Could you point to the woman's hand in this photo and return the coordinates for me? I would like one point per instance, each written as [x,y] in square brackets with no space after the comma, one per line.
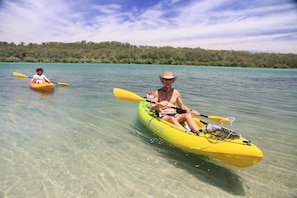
[194,112]
[163,105]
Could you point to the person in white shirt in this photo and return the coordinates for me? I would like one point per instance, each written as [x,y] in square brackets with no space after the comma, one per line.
[40,78]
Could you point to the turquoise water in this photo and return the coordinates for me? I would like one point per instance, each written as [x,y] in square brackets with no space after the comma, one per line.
[80,141]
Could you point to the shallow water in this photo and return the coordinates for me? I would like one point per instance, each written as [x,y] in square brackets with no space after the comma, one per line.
[80,141]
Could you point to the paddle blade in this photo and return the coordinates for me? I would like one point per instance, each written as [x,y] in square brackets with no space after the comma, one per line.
[20,75]
[127,95]
[219,119]
[63,84]
[232,119]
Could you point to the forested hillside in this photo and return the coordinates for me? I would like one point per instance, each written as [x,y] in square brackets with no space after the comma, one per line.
[116,52]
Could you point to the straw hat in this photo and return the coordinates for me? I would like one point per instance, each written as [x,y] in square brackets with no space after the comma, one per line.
[167,75]
[39,69]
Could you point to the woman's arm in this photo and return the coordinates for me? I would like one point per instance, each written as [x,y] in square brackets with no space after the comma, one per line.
[34,78]
[182,106]
[154,106]
[46,79]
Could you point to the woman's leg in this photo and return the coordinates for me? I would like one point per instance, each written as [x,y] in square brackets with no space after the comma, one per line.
[173,120]
[189,119]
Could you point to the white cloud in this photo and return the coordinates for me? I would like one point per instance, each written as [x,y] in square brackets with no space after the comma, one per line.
[269,28]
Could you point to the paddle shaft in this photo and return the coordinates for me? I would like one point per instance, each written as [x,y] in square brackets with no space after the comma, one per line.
[181,111]
[178,110]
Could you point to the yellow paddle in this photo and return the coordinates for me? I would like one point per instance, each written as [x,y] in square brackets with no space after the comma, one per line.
[217,118]
[132,97]
[20,75]
[127,96]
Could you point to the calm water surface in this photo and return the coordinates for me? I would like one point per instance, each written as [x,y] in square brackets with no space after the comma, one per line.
[80,141]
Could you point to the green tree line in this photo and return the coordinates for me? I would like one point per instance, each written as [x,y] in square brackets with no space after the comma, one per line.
[125,53]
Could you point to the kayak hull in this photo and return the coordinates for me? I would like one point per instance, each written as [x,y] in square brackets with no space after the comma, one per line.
[42,87]
[238,152]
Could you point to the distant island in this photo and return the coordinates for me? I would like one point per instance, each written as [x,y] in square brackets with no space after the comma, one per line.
[125,53]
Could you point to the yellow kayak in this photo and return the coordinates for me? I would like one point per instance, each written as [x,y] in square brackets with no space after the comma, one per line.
[231,148]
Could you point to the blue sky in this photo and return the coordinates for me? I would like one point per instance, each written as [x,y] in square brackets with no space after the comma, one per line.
[247,25]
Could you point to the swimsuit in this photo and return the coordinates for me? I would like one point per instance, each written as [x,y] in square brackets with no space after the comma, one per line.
[161,115]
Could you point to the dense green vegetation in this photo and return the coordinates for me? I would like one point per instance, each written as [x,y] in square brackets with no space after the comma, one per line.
[116,52]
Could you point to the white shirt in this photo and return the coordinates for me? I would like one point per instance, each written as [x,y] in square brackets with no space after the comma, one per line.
[42,77]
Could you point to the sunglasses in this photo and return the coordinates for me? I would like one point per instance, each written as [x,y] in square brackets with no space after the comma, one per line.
[168,79]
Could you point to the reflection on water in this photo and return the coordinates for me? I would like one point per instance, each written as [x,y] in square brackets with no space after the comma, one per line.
[199,166]
[43,93]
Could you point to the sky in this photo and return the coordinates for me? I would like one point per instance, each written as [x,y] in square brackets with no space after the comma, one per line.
[240,25]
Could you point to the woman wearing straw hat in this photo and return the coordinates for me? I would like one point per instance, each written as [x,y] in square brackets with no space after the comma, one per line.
[167,97]
[39,77]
